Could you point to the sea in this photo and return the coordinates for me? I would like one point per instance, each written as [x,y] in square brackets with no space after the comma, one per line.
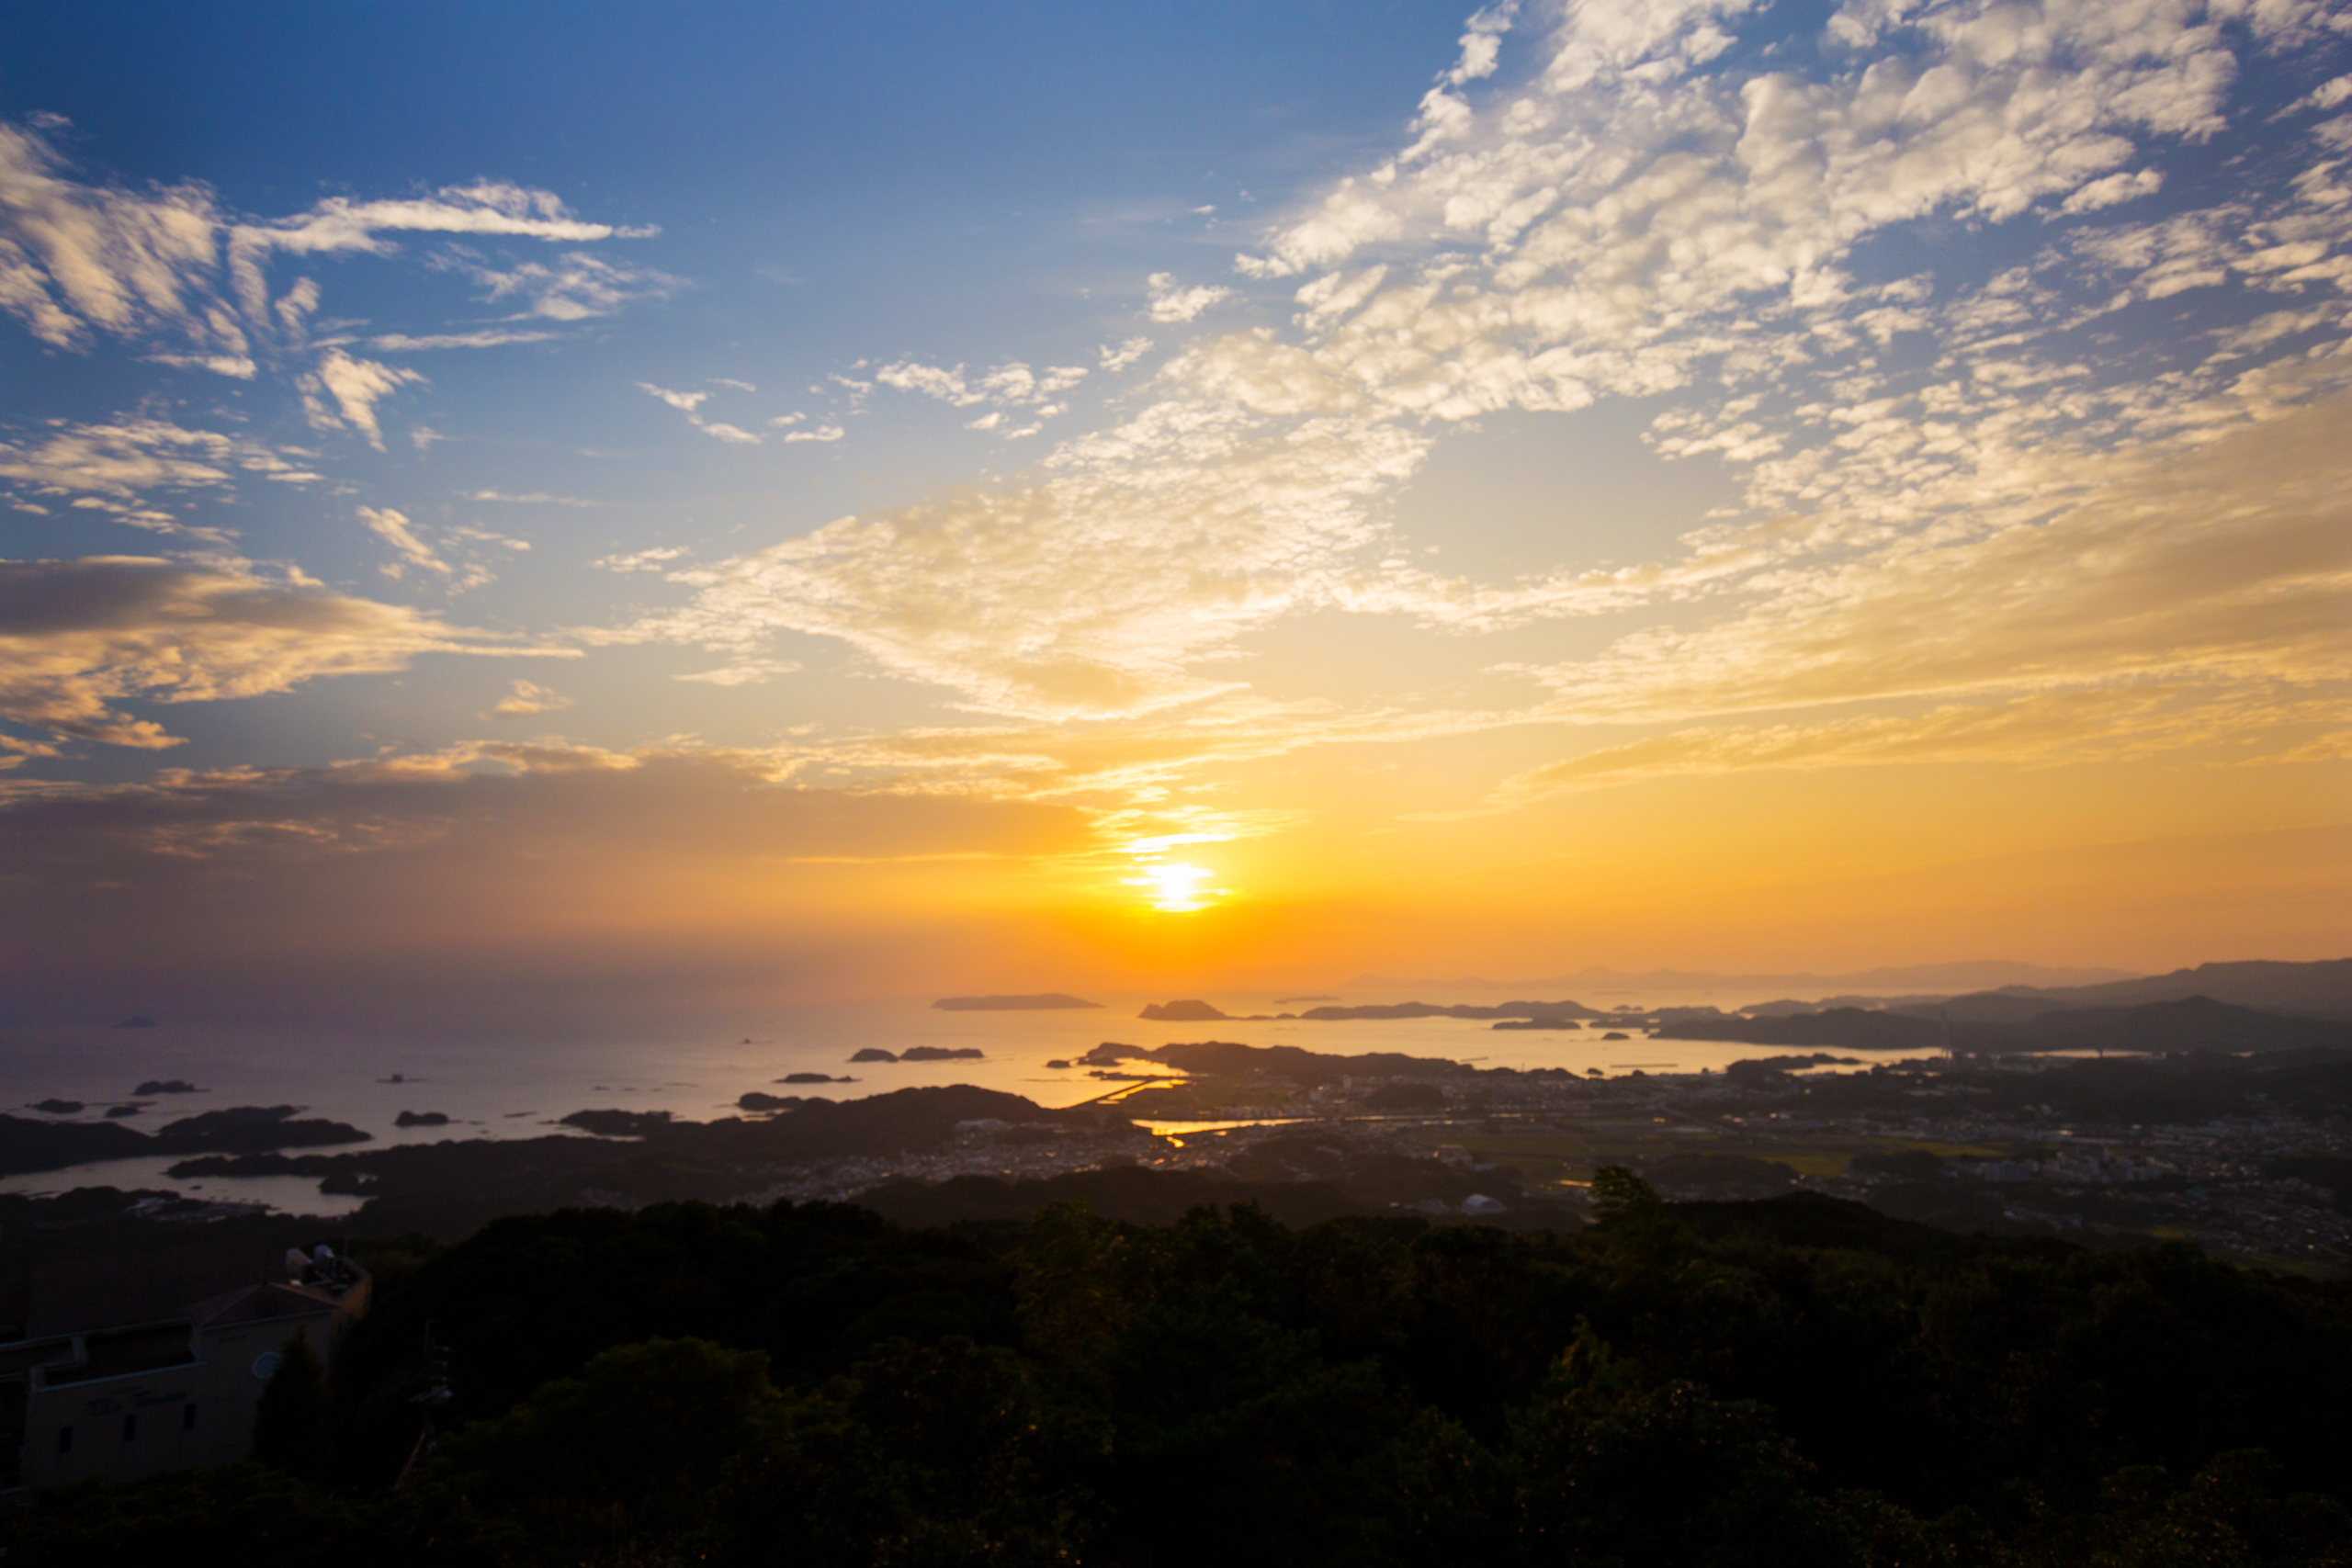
[516,1087]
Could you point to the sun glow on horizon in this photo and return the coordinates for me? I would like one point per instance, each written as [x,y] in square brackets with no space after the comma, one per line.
[1179,885]
[1176,886]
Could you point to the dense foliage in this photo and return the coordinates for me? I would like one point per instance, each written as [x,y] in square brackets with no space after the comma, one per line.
[1791,1382]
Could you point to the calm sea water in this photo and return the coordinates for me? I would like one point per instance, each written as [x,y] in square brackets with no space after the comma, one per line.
[517,1089]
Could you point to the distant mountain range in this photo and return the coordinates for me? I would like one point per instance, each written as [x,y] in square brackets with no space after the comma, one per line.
[2188,1023]
[2323,989]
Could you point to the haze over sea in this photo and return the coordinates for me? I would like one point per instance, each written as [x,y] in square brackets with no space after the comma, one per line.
[520,1084]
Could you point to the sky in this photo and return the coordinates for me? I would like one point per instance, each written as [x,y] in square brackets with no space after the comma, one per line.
[622,507]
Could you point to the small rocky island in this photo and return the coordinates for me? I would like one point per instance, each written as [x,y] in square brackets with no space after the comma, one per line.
[1189,1011]
[920,1053]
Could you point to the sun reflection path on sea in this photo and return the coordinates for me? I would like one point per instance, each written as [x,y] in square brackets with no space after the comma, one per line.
[1176,886]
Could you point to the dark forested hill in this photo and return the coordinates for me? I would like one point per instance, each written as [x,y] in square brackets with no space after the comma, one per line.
[1798,1380]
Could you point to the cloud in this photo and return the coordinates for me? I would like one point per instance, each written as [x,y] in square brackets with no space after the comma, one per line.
[79,636]
[76,261]
[743,672]
[489,337]
[1010,385]
[2230,563]
[1641,212]
[1086,590]
[2113,190]
[640,560]
[79,262]
[533,498]
[112,467]
[357,385]
[1126,353]
[690,404]
[1169,303]
[2042,730]
[526,697]
[930,380]
[394,528]
[685,402]
[577,286]
[822,432]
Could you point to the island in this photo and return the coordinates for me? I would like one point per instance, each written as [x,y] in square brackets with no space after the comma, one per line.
[1047,1001]
[1187,1012]
[421,1119]
[875,1054]
[27,1145]
[940,1054]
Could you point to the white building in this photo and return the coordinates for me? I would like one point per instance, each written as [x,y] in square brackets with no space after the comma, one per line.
[122,1367]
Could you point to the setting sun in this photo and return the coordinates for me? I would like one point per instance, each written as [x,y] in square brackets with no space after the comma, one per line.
[1175,886]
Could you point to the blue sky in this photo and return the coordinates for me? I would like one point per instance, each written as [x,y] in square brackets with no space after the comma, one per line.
[1406,449]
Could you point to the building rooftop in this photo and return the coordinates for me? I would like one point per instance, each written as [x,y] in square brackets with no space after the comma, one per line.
[84,1295]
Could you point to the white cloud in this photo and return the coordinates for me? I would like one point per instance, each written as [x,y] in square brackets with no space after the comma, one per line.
[690,404]
[1641,213]
[79,262]
[1170,303]
[1087,590]
[930,380]
[822,432]
[1011,386]
[394,529]
[114,467]
[357,385]
[1126,353]
[685,402]
[577,286]
[2113,190]
[487,337]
